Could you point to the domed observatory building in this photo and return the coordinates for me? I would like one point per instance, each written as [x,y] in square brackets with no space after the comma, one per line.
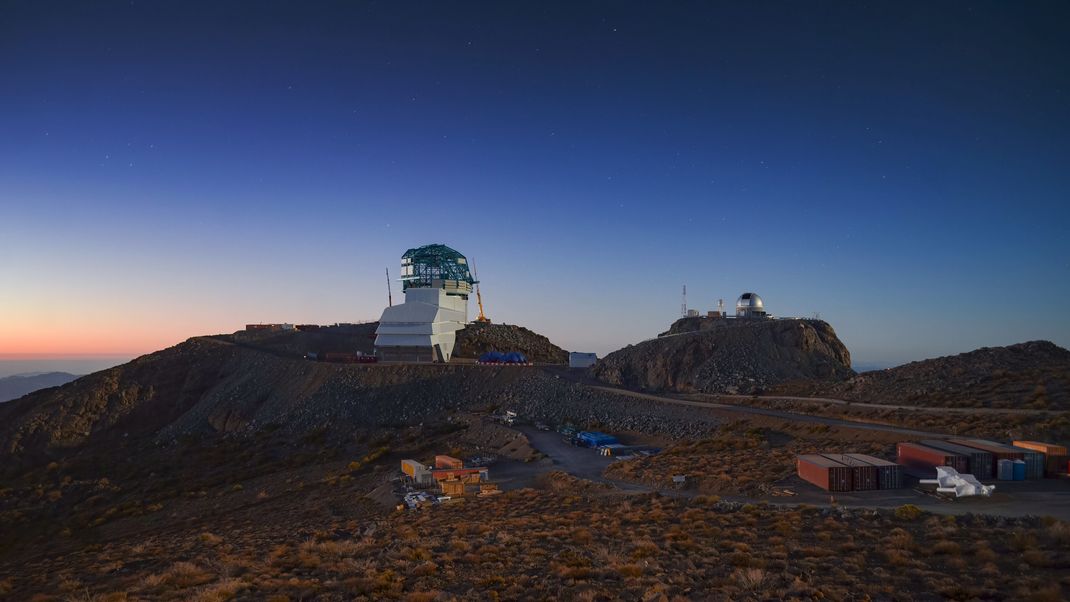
[436,281]
[749,305]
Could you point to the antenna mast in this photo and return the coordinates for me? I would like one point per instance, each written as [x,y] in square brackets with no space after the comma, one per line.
[683,306]
[389,293]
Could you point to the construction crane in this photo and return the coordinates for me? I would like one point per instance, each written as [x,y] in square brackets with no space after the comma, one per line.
[482,319]
[389,292]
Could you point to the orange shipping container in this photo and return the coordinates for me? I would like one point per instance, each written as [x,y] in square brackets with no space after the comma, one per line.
[448,462]
[1047,449]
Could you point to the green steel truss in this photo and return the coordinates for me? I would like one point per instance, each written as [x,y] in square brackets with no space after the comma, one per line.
[421,265]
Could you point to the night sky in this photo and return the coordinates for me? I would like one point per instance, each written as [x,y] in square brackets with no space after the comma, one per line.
[169,169]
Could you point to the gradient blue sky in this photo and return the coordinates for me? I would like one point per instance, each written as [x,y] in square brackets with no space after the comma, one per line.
[173,169]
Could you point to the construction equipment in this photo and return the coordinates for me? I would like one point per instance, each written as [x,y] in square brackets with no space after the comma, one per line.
[389,291]
[482,319]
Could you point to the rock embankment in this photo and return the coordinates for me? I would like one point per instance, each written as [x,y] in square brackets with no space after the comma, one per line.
[729,356]
[477,339]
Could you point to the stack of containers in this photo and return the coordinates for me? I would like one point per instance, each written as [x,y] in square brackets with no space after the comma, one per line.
[1034,460]
[998,450]
[864,475]
[926,458]
[1005,470]
[1055,456]
[979,463]
[889,474]
[827,474]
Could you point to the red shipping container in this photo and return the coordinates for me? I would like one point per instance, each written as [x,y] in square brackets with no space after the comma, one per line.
[827,474]
[921,456]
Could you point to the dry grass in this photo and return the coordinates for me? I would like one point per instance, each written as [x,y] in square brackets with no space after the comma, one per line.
[523,545]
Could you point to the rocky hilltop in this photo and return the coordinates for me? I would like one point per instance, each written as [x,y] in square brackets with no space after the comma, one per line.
[477,339]
[729,356]
[1033,375]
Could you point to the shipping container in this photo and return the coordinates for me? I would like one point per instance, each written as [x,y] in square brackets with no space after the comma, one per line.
[827,474]
[889,474]
[419,473]
[917,455]
[998,450]
[410,467]
[1048,449]
[912,475]
[979,463]
[1055,466]
[864,475]
[1005,470]
[444,461]
[1034,460]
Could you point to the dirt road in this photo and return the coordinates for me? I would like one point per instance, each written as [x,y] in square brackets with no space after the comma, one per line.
[773,413]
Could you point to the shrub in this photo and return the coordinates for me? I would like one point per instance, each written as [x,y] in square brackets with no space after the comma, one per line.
[908,512]
[211,539]
[946,547]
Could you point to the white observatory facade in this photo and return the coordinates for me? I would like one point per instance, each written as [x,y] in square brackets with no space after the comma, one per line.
[749,305]
[436,281]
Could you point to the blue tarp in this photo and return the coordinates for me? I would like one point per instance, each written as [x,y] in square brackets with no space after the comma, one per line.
[594,439]
[513,357]
[491,356]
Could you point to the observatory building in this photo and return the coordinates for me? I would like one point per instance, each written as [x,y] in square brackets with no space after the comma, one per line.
[749,305]
[436,281]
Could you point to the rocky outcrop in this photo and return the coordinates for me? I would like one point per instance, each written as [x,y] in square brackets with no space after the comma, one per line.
[729,356]
[477,339]
[1034,375]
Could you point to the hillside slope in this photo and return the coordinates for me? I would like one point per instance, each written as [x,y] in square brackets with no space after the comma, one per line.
[1035,374]
[210,385]
[729,356]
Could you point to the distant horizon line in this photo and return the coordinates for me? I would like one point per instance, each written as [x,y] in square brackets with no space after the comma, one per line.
[70,356]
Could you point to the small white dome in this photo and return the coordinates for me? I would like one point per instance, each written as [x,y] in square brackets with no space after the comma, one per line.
[750,304]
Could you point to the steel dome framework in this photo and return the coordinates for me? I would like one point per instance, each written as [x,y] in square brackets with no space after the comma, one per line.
[421,266]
